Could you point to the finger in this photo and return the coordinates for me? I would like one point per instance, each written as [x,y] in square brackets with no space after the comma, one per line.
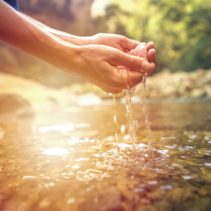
[148,68]
[150,45]
[129,44]
[131,62]
[151,55]
[134,78]
[130,78]
[132,52]
[141,51]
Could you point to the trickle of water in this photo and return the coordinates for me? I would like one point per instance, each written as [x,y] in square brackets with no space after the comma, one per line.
[115,118]
[146,118]
[132,124]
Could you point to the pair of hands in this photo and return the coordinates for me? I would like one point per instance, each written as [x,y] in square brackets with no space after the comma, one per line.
[114,62]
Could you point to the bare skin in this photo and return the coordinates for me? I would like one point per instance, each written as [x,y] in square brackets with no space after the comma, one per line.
[120,42]
[106,60]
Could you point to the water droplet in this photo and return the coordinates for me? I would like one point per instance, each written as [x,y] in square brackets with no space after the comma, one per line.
[123,129]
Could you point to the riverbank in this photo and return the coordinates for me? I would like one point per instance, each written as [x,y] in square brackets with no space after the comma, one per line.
[164,86]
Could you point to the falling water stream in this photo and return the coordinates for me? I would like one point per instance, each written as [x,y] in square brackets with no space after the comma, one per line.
[131,123]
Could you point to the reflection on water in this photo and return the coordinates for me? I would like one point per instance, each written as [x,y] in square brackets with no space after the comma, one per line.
[71,161]
[56,151]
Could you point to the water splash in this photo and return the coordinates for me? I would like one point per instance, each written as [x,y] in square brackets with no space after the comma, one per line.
[131,122]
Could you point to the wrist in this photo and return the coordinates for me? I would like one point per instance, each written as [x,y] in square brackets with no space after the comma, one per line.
[75,40]
[65,55]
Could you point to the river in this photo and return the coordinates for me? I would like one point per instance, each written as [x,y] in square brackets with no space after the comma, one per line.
[70,159]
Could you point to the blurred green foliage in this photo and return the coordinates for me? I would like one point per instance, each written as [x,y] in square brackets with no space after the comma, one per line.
[181,29]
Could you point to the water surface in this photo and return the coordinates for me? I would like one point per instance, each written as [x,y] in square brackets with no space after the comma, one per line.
[69,159]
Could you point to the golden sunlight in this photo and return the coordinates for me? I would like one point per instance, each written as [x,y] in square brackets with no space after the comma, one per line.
[56,151]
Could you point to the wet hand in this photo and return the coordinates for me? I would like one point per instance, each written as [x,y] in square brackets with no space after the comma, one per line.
[110,68]
[146,51]
[124,44]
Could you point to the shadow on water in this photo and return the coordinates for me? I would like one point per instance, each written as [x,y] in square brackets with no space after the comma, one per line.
[70,160]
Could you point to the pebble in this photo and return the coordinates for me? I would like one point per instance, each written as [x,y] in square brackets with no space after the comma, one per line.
[207,164]
[187,177]
[166,187]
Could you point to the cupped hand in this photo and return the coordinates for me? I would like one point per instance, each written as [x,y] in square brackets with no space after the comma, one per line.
[123,44]
[110,68]
[146,51]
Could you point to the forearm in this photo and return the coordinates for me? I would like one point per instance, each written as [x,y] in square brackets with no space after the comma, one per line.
[76,40]
[23,34]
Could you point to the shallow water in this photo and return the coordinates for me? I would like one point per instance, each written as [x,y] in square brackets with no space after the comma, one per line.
[69,160]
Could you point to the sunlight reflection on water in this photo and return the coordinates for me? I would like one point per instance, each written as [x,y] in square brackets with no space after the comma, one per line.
[60,163]
[59,128]
[55,151]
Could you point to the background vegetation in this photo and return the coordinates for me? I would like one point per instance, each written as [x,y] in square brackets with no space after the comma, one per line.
[181,29]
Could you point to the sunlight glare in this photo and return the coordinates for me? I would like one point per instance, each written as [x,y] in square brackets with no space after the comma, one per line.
[56,151]
[98,7]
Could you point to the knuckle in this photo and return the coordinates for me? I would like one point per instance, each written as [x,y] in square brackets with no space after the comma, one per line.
[123,38]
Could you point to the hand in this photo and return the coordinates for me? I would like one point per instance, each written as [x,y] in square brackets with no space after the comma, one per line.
[123,44]
[120,42]
[109,68]
[146,51]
